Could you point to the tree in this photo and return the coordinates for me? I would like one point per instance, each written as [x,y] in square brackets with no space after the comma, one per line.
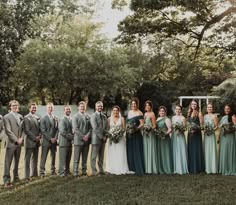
[209,23]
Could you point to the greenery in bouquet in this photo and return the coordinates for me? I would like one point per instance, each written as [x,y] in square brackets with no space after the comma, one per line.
[130,128]
[160,132]
[193,127]
[179,128]
[116,134]
[228,128]
[146,129]
[208,129]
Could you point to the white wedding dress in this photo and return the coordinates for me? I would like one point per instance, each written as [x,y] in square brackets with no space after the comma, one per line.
[116,159]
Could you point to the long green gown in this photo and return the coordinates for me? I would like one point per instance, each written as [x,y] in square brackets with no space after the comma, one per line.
[164,154]
[150,149]
[179,148]
[135,156]
[227,162]
[210,148]
[195,148]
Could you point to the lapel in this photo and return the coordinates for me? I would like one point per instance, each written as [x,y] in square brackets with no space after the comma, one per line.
[14,119]
[69,123]
[35,122]
[51,122]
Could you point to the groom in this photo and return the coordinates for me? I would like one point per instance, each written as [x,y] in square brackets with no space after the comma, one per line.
[98,122]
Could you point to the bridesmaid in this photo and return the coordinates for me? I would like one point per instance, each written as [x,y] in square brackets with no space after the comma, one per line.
[134,141]
[149,140]
[179,143]
[164,158]
[195,149]
[210,141]
[227,163]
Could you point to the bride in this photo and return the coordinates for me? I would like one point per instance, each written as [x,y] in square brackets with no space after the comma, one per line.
[116,160]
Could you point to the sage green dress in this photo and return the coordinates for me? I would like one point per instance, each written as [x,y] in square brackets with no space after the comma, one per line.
[179,148]
[150,149]
[164,153]
[227,163]
[210,148]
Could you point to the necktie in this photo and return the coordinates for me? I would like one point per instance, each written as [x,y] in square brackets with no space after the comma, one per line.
[101,119]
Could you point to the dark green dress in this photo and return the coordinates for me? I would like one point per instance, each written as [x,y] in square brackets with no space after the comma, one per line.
[134,146]
[195,148]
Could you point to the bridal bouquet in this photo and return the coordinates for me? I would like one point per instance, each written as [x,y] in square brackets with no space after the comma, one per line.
[130,128]
[160,132]
[116,134]
[146,129]
[228,128]
[179,128]
[208,129]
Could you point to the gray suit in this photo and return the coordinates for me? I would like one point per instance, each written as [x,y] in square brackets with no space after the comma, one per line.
[81,127]
[65,149]
[14,129]
[49,130]
[98,123]
[32,130]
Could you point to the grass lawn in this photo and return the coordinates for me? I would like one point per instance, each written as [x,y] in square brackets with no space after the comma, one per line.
[129,189]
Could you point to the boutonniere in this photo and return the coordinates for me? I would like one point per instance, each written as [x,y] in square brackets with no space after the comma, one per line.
[38,119]
[87,117]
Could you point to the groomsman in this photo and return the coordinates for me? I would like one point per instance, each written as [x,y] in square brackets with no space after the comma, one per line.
[13,123]
[65,139]
[49,131]
[32,141]
[82,131]
[98,140]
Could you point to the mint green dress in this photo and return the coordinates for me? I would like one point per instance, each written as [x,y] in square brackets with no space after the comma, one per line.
[164,154]
[150,149]
[210,148]
[227,163]
[179,147]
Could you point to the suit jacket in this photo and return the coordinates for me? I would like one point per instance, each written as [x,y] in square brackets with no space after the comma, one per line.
[65,132]
[48,129]
[32,130]
[13,129]
[98,127]
[81,127]
[1,124]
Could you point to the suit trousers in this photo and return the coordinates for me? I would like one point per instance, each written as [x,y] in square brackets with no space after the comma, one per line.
[78,151]
[97,150]
[31,159]
[44,154]
[64,159]
[10,154]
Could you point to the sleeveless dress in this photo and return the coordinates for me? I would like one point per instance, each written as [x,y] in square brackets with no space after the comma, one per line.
[179,148]
[210,148]
[134,143]
[195,149]
[150,149]
[164,153]
[116,159]
[227,161]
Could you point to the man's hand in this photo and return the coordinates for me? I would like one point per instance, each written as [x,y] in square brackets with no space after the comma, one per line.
[85,138]
[19,141]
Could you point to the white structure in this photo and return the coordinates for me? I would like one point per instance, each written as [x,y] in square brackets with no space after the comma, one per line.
[199,98]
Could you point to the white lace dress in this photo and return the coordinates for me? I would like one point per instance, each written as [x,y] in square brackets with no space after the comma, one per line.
[116,159]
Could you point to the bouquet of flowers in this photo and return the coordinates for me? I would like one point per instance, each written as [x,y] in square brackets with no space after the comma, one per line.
[116,134]
[130,128]
[208,129]
[228,128]
[146,129]
[160,132]
[193,127]
[179,128]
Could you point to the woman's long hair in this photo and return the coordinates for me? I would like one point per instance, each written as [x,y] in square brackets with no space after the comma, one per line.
[190,110]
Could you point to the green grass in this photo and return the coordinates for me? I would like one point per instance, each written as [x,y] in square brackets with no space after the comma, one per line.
[129,189]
